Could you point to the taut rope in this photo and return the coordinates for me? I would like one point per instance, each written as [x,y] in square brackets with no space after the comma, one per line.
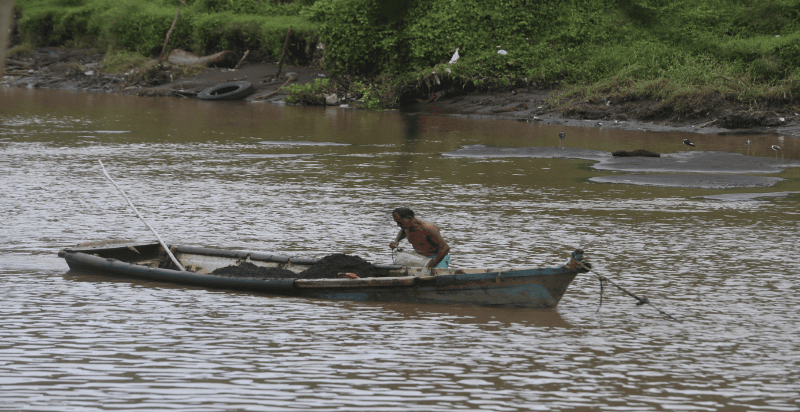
[641,301]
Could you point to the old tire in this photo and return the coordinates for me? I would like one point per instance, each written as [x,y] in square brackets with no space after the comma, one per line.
[227,91]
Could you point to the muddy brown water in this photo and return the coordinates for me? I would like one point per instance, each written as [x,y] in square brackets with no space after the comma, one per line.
[312,182]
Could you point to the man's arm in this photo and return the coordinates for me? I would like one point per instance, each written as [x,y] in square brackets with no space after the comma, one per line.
[435,238]
[400,236]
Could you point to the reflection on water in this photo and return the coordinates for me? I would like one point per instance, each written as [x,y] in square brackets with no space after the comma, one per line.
[203,175]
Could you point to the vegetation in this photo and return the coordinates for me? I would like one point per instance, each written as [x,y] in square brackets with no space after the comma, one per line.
[310,93]
[204,26]
[676,51]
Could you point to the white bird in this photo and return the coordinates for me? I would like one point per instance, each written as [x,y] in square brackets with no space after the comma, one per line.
[776,148]
[455,56]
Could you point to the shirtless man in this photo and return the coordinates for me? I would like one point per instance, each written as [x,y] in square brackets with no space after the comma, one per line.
[423,236]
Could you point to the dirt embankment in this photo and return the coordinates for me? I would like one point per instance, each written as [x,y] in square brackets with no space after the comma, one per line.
[57,68]
[531,105]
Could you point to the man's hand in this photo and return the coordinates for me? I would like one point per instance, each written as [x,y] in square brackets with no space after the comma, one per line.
[394,244]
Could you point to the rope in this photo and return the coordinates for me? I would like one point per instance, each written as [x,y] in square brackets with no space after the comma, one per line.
[640,301]
[602,284]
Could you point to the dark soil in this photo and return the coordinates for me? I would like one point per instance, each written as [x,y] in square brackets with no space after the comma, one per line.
[341,263]
[326,268]
[634,153]
[532,105]
[68,69]
[249,270]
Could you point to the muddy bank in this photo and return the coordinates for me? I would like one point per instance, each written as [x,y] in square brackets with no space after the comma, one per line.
[66,69]
[531,105]
[59,68]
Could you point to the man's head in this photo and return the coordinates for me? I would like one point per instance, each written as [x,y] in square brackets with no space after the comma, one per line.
[403,216]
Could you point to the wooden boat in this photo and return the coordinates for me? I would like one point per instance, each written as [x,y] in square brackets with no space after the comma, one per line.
[532,287]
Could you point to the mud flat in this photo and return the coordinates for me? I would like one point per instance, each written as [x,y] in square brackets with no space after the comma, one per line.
[696,169]
[81,70]
[742,197]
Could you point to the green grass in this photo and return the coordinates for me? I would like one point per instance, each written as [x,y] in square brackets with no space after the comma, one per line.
[141,26]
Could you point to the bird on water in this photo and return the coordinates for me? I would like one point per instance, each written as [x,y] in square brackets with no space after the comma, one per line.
[776,148]
[747,142]
[561,136]
[688,144]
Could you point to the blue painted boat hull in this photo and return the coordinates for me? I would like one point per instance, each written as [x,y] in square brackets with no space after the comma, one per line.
[535,287]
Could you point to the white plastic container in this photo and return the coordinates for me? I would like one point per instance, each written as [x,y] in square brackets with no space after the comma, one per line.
[410,258]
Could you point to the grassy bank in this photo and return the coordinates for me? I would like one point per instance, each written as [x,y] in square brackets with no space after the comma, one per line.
[685,54]
[203,26]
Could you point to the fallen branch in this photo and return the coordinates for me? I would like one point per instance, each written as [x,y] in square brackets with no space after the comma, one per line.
[708,123]
[264,96]
[242,59]
[12,62]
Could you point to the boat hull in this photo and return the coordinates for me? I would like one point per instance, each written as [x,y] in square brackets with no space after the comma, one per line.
[536,287]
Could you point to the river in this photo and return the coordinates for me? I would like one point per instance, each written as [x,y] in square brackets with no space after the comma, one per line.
[316,181]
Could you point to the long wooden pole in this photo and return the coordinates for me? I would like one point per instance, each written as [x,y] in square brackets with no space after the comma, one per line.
[169,33]
[283,54]
[178,264]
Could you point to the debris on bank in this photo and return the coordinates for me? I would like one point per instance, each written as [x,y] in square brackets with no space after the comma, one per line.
[181,74]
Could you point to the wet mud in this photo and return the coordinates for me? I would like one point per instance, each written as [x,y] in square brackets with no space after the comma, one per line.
[710,181]
[326,268]
[740,197]
[81,70]
[532,105]
[696,169]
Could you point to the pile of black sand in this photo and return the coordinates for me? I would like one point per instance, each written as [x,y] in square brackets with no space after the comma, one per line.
[249,270]
[325,268]
[637,152]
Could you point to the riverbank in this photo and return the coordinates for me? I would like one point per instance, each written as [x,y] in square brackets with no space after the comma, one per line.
[531,105]
[81,70]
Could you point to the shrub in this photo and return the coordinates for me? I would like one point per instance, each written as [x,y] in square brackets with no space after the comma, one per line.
[310,93]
